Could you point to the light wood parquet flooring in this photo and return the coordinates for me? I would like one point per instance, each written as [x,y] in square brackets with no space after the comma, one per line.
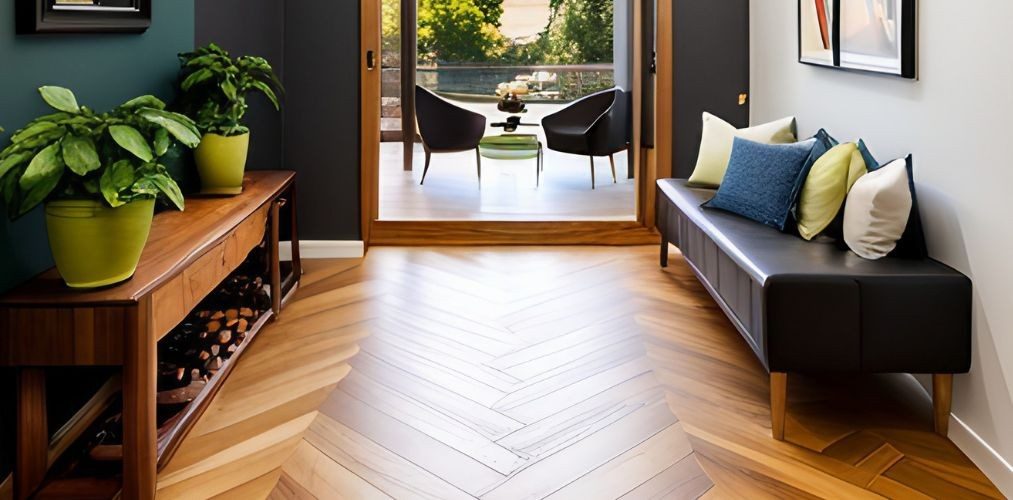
[577,372]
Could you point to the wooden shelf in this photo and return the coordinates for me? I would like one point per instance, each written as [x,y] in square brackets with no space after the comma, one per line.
[44,324]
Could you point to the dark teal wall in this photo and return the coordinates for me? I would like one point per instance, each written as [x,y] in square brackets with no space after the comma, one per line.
[103,70]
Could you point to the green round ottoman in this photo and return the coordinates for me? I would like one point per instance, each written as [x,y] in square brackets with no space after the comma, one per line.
[513,147]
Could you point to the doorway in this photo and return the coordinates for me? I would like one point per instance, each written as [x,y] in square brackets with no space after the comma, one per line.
[516,200]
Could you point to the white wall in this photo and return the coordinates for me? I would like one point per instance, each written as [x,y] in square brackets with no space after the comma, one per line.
[957,120]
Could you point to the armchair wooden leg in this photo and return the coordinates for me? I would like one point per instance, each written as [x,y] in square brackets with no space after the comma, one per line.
[778,402]
[478,157]
[612,161]
[942,395]
[425,170]
[592,171]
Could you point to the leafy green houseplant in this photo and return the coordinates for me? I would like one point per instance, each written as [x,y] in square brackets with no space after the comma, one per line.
[213,90]
[98,175]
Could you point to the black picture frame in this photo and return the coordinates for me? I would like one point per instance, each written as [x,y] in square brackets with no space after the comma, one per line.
[49,16]
[906,66]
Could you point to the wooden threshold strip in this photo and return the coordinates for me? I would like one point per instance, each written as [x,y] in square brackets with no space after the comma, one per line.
[424,233]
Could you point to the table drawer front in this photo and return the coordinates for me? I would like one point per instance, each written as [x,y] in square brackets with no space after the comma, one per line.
[174,300]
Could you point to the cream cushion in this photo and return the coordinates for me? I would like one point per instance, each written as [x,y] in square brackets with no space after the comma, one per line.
[878,209]
[716,145]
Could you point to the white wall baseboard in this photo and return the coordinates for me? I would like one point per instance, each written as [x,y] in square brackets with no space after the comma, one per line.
[998,470]
[323,249]
[984,456]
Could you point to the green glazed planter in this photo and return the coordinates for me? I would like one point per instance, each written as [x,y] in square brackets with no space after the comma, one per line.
[95,245]
[221,162]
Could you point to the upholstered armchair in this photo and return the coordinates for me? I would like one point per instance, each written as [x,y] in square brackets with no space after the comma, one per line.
[446,128]
[595,125]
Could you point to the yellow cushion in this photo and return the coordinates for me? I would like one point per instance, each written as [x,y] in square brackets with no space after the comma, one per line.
[826,187]
[716,145]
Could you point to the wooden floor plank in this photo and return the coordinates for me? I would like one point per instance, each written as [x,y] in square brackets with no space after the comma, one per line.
[573,462]
[633,468]
[465,472]
[320,477]
[683,480]
[384,469]
[437,425]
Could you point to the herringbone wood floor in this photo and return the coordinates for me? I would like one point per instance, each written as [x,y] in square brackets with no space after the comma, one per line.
[497,374]
[533,372]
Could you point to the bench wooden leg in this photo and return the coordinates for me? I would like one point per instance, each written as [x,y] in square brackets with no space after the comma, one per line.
[942,395]
[664,252]
[778,402]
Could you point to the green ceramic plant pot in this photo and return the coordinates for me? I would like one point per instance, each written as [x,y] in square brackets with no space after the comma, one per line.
[95,245]
[221,162]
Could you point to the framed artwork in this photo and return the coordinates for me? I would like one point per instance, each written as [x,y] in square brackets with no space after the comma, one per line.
[864,35]
[82,16]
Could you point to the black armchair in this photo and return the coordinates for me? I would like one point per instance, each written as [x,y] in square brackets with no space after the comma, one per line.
[595,125]
[446,128]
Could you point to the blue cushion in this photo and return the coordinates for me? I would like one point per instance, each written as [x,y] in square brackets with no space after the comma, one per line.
[760,183]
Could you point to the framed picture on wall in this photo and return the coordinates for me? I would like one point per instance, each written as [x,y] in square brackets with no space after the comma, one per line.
[82,16]
[864,35]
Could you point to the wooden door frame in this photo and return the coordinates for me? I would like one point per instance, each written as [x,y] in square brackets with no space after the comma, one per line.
[651,163]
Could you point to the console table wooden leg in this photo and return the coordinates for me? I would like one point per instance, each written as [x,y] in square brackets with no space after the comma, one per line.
[294,233]
[140,439]
[32,433]
[778,403]
[942,395]
[276,291]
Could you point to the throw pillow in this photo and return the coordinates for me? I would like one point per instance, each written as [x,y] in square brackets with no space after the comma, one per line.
[912,243]
[824,142]
[826,187]
[878,210]
[760,180]
[717,140]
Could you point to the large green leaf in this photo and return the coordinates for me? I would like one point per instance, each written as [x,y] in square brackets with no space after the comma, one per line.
[196,78]
[44,165]
[161,141]
[229,88]
[169,188]
[266,89]
[80,155]
[9,190]
[144,101]
[32,131]
[130,138]
[40,178]
[181,127]
[116,178]
[14,160]
[60,98]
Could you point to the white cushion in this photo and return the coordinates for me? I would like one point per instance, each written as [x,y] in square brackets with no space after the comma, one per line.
[716,145]
[877,211]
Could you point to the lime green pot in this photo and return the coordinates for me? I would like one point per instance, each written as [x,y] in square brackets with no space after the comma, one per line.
[221,162]
[95,245]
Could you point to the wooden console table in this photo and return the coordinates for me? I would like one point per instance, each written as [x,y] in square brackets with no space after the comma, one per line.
[45,324]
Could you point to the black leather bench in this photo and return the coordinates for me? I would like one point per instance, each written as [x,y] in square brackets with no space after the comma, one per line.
[811,307]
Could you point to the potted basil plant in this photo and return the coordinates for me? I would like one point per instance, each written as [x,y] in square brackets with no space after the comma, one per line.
[98,176]
[213,90]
